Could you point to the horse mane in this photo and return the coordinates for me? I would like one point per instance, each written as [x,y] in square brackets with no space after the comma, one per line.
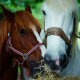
[74,38]
[4,28]
[27,21]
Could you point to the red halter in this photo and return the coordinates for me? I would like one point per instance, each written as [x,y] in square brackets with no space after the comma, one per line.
[24,55]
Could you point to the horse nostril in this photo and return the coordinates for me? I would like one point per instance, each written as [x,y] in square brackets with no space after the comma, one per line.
[63,60]
[46,59]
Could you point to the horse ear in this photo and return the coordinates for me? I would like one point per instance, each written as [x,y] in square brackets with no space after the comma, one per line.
[7,13]
[28,9]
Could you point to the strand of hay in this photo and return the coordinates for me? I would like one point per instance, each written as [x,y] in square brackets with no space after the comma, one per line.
[46,74]
[50,76]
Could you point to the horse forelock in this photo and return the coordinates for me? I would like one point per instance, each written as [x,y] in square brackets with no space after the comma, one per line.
[61,5]
[26,21]
[4,28]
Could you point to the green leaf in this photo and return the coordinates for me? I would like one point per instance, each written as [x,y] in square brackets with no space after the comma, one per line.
[78,1]
[79,33]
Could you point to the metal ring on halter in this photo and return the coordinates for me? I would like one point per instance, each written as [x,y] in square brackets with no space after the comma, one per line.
[9,46]
[25,56]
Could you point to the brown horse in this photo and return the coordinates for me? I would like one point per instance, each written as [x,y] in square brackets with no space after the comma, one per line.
[19,40]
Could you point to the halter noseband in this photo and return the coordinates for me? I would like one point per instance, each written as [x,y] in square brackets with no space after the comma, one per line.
[24,55]
[59,32]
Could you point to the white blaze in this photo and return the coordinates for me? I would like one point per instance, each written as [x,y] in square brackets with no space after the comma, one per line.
[43,49]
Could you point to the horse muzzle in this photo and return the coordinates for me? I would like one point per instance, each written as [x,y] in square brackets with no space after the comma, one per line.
[56,65]
[35,67]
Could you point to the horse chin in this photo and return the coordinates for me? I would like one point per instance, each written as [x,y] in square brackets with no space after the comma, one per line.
[56,71]
[58,68]
[34,68]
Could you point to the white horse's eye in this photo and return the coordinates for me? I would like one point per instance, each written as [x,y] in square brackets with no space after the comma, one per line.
[44,12]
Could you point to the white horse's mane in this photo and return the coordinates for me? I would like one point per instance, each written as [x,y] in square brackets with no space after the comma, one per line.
[72,8]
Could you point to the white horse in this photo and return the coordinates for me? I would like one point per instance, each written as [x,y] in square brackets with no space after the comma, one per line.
[61,15]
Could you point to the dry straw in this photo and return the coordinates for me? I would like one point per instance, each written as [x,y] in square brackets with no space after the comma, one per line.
[46,74]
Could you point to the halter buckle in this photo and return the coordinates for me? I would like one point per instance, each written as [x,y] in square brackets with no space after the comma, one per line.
[25,56]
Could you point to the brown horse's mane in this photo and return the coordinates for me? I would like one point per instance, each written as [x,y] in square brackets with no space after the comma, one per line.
[4,27]
[23,19]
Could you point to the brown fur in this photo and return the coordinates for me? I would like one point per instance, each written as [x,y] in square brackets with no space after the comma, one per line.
[19,20]
[26,21]
[4,27]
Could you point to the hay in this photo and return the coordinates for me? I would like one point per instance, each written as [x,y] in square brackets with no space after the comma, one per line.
[55,77]
[49,75]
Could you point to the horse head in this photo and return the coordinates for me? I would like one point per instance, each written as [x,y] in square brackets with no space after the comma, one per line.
[20,31]
[61,22]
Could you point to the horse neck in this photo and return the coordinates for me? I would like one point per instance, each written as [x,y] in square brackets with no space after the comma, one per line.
[6,58]
[73,67]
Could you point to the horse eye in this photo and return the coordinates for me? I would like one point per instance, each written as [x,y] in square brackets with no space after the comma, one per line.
[22,31]
[44,12]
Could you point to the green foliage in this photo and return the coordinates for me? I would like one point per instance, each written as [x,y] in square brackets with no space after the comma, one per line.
[79,33]
[79,12]
[16,5]
[36,11]
[39,1]
[78,1]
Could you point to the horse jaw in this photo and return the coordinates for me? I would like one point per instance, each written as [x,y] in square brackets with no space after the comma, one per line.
[23,75]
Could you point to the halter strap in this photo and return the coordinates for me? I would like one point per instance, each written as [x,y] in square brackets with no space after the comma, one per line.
[58,32]
[24,55]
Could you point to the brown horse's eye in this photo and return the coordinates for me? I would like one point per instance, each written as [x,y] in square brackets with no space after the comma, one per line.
[22,31]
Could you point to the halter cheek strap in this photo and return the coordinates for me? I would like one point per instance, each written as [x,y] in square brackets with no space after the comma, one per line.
[24,55]
[68,50]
